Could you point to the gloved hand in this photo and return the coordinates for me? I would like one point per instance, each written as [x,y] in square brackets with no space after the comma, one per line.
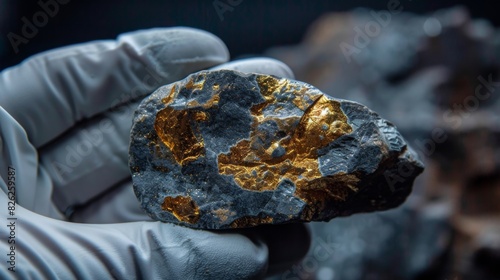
[65,118]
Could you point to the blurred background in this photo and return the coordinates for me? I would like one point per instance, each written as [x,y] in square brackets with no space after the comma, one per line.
[249,28]
[430,67]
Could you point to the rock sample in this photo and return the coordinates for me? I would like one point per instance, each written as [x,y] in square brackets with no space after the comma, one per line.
[225,149]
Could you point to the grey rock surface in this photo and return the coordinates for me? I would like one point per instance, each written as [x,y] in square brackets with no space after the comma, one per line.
[224,149]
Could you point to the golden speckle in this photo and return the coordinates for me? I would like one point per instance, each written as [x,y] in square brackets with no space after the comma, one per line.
[184,208]
[198,85]
[213,101]
[171,96]
[223,214]
[175,127]
[175,130]
[250,222]
[200,116]
[320,192]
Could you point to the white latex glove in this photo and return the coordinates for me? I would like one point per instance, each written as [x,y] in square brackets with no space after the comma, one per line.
[65,118]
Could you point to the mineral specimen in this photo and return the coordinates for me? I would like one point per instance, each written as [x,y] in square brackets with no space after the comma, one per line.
[225,149]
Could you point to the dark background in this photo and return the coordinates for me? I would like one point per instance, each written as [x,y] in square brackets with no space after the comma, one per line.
[250,28]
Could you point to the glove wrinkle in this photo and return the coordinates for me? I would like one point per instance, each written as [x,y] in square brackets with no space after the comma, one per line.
[33,184]
[79,178]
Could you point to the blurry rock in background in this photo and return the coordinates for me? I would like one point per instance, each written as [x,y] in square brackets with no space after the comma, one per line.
[436,77]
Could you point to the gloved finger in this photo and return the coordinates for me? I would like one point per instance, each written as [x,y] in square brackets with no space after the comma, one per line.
[93,157]
[287,244]
[31,185]
[118,205]
[53,249]
[48,93]
[90,159]
[259,65]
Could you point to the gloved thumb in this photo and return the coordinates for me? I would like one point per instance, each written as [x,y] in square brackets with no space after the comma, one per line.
[46,248]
